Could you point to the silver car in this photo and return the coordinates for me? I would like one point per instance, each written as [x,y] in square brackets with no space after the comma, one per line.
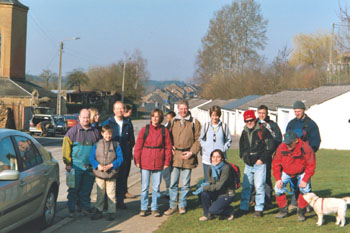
[29,181]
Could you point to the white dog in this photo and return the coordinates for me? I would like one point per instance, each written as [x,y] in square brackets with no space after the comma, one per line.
[327,206]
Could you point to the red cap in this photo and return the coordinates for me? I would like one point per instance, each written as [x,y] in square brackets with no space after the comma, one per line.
[249,114]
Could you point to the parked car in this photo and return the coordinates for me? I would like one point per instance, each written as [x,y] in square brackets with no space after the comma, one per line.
[42,110]
[35,126]
[61,124]
[72,120]
[29,181]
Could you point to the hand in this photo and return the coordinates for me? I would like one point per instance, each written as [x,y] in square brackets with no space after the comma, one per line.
[68,168]
[173,150]
[107,167]
[100,167]
[302,184]
[186,155]
[259,162]
[138,165]
[279,184]
[165,167]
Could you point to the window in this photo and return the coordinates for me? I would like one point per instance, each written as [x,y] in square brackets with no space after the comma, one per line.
[28,154]
[8,159]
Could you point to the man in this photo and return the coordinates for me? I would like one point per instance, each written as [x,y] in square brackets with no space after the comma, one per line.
[293,163]
[123,132]
[307,130]
[264,119]
[185,132]
[76,147]
[255,148]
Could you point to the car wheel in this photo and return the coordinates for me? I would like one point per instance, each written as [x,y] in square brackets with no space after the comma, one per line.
[49,211]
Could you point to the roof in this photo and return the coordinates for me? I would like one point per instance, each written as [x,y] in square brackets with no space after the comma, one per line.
[21,88]
[236,103]
[13,2]
[195,102]
[207,106]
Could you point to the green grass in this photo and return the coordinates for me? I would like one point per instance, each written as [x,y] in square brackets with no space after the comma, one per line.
[332,178]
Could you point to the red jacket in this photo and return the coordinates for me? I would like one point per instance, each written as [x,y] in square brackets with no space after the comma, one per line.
[301,159]
[153,158]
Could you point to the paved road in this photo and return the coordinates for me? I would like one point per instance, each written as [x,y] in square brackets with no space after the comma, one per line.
[54,145]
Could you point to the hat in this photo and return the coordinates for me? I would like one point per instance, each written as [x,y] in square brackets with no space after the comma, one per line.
[298,105]
[249,114]
[290,137]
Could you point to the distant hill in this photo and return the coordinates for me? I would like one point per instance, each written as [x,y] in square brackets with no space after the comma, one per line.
[152,85]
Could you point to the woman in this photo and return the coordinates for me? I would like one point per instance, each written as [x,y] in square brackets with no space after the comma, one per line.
[94,118]
[152,155]
[218,193]
[214,135]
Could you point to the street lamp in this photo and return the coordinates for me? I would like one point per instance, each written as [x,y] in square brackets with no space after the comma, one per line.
[60,76]
[124,78]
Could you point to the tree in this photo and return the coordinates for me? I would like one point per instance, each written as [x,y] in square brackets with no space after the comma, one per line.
[76,79]
[235,35]
[48,79]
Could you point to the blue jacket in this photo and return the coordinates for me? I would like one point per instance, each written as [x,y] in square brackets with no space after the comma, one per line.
[116,163]
[126,139]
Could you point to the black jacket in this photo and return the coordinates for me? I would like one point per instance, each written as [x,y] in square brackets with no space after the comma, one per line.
[256,144]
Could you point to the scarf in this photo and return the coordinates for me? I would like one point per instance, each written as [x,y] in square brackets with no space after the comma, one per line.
[216,170]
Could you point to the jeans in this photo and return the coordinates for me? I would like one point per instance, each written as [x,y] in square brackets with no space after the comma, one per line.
[166,176]
[174,184]
[84,180]
[268,185]
[145,180]
[286,178]
[254,175]
[205,171]
[214,204]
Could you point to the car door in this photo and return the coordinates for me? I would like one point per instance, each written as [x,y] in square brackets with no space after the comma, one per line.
[11,192]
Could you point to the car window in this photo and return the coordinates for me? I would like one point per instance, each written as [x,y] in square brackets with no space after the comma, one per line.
[8,159]
[29,155]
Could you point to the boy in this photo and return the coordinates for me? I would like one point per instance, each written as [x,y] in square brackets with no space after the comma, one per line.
[105,157]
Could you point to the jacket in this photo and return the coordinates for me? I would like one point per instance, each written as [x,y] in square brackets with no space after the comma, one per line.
[208,145]
[300,160]
[126,139]
[185,138]
[255,144]
[225,185]
[153,158]
[77,144]
[114,156]
[274,130]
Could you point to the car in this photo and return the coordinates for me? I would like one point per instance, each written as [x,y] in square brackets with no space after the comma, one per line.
[72,120]
[35,126]
[61,124]
[29,181]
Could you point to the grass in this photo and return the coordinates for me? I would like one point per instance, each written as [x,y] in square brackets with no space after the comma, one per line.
[332,178]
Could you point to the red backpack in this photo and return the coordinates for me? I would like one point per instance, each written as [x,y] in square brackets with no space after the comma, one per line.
[237,173]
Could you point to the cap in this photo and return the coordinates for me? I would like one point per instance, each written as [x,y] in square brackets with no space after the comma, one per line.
[249,114]
[298,105]
[290,137]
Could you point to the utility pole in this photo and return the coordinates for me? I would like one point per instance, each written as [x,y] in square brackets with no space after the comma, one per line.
[58,112]
[123,81]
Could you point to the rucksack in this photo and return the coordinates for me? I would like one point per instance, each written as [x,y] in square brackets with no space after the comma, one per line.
[237,174]
[145,135]
[206,128]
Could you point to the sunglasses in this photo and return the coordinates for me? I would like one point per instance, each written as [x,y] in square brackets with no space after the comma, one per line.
[251,120]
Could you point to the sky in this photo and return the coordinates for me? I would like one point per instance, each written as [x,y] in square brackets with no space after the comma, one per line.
[168,33]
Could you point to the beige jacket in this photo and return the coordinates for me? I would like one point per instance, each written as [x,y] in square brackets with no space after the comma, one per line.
[185,138]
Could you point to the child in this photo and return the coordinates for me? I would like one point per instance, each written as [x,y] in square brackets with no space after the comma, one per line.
[105,157]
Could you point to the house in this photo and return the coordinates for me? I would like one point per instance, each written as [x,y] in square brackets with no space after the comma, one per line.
[203,110]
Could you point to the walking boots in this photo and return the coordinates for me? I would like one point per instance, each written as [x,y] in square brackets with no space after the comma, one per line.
[301,214]
[282,213]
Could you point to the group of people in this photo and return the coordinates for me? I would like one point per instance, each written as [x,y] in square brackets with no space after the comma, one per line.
[170,151]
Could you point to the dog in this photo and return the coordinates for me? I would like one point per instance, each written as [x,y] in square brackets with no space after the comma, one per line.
[327,206]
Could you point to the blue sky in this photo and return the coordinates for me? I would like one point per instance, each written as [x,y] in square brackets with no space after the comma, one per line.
[168,33]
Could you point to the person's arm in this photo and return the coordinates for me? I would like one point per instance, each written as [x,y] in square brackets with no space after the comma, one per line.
[228,139]
[168,147]
[241,146]
[278,136]
[310,164]
[196,146]
[139,146]
[67,150]
[92,157]
[119,159]
[224,177]
[277,164]
[314,136]
[268,147]
[131,135]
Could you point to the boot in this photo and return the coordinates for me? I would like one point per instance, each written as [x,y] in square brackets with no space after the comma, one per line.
[301,214]
[282,213]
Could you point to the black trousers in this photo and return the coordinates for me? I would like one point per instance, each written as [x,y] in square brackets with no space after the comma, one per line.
[213,204]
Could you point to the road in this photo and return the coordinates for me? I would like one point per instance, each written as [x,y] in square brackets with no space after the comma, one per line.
[54,145]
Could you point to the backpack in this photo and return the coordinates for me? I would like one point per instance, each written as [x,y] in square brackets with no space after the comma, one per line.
[145,135]
[237,174]
[206,128]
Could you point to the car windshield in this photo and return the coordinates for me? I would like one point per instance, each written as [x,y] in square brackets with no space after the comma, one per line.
[71,117]
[59,119]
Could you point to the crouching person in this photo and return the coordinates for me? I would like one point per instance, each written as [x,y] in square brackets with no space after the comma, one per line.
[106,157]
[293,163]
[217,195]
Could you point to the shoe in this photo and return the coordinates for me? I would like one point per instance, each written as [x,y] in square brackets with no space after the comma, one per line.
[252,203]
[143,213]
[110,217]
[283,212]
[170,211]
[231,217]
[182,210]
[268,206]
[97,215]
[121,206]
[71,213]
[301,214]
[258,214]
[241,212]
[292,207]
[203,218]
[155,213]
[129,195]
[79,208]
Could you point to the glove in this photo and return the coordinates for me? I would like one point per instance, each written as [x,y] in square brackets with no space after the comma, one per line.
[200,189]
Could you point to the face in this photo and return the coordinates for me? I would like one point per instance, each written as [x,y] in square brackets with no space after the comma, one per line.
[96,117]
[299,113]
[216,158]
[107,135]
[155,119]
[23,146]
[250,123]
[262,114]
[118,110]
[169,117]
[214,118]
[292,145]
[84,118]
[183,110]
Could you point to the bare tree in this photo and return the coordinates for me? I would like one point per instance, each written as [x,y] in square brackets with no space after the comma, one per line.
[76,79]
[48,79]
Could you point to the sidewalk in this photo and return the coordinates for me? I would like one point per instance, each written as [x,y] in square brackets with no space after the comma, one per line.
[126,220]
